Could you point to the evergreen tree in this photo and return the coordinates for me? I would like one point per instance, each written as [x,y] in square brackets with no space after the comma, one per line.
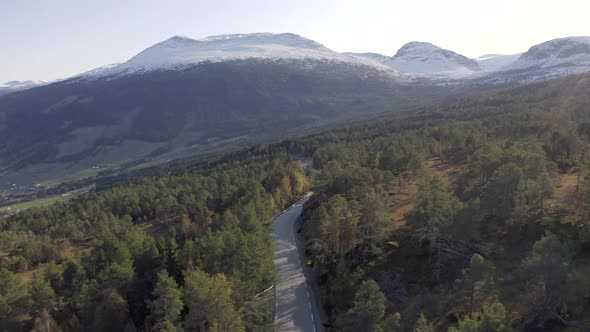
[14,296]
[42,295]
[222,314]
[339,232]
[196,292]
[368,310]
[550,264]
[111,313]
[434,212]
[209,304]
[375,221]
[478,280]
[493,319]
[422,325]
[499,193]
[167,304]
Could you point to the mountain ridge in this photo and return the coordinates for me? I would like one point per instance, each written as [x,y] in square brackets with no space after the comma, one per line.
[414,59]
[180,52]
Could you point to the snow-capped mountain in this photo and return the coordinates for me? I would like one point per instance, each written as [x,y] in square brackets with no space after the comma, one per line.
[428,60]
[551,59]
[181,52]
[562,55]
[496,62]
[187,95]
[14,86]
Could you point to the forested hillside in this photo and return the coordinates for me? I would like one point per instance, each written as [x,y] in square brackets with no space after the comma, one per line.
[470,216]
[186,248]
[466,217]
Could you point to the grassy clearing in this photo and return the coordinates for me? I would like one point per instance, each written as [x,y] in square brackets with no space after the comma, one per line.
[36,203]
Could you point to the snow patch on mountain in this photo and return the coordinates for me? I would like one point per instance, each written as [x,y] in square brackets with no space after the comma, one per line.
[369,55]
[181,52]
[14,86]
[495,62]
[100,70]
[21,84]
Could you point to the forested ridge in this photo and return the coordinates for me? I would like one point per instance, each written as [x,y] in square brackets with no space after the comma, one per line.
[470,216]
[464,217]
[188,248]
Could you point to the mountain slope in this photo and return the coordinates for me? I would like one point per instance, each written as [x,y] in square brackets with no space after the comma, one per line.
[551,59]
[496,62]
[164,104]
[573,52]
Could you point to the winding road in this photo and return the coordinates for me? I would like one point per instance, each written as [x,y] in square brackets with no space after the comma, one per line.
[296,308]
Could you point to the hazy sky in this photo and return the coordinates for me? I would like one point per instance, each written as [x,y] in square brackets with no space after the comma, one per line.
[49,39]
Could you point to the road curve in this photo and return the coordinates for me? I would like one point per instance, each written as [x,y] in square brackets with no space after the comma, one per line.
[296,309]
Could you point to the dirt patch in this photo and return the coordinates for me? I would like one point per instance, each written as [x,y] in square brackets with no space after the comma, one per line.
[447,173]
[403,200]
[567,190]
[158,228]
[29,275]
[565,198]
[404,195]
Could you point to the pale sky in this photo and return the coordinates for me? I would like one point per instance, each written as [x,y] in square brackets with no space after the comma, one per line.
[49,39]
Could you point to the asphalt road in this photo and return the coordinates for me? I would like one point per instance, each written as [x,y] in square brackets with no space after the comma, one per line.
[296,309]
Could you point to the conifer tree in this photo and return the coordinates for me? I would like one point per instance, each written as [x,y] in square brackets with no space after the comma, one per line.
[422,325]
[167,304]
[368,310]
